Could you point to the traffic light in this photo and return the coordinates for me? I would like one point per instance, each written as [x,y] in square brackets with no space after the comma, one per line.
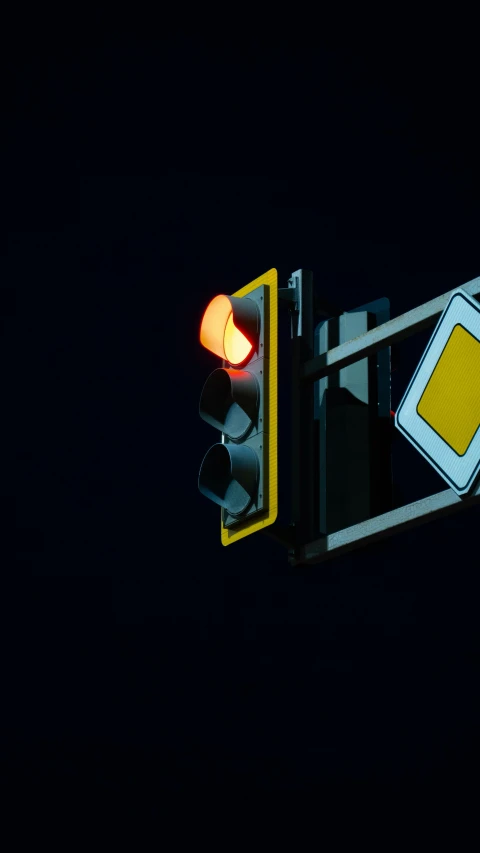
[240,399]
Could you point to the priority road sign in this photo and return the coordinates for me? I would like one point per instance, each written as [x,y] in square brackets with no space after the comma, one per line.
[440,410]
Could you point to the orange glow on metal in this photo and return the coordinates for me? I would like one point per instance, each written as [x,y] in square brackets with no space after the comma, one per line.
[219,334]
[237,346]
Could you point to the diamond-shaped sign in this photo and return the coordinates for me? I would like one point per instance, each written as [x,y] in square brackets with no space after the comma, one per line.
[440,410]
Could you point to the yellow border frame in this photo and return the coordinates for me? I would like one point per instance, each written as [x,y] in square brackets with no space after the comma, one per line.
[270,280]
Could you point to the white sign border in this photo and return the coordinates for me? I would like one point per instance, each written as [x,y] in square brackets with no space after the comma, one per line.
[460,472]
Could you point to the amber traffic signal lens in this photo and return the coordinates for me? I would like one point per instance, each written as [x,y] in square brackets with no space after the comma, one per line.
[220,330]
[236,346]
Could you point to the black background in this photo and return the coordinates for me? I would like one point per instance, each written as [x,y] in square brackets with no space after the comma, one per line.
[150,167]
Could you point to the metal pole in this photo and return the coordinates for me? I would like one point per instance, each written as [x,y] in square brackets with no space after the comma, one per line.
[302,409]
[405,517]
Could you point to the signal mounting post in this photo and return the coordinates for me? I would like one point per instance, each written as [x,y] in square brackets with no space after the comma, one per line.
[306,370]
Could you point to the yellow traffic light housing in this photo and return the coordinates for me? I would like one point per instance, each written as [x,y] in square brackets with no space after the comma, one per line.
[240,399]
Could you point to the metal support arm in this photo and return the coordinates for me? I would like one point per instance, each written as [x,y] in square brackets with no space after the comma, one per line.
[385,335]
[405,517]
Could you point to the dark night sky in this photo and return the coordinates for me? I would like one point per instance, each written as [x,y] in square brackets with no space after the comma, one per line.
[147,171]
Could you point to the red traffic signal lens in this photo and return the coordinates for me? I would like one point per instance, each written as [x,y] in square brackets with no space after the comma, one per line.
[220,335]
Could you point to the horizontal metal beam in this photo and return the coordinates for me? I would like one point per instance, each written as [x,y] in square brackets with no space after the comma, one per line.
[382,526]
[388,333]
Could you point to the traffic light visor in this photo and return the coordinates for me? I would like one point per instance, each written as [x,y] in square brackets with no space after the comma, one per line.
[229,477]
[229,401]
[222,335]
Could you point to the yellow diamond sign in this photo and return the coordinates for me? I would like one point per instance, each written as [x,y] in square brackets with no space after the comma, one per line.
[451,400]
[440,411]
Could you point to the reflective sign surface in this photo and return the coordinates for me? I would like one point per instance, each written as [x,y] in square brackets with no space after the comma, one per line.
[440,411]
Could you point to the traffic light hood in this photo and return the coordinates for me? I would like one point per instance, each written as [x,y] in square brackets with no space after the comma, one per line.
[230,401]
[229,477]
[230,328]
